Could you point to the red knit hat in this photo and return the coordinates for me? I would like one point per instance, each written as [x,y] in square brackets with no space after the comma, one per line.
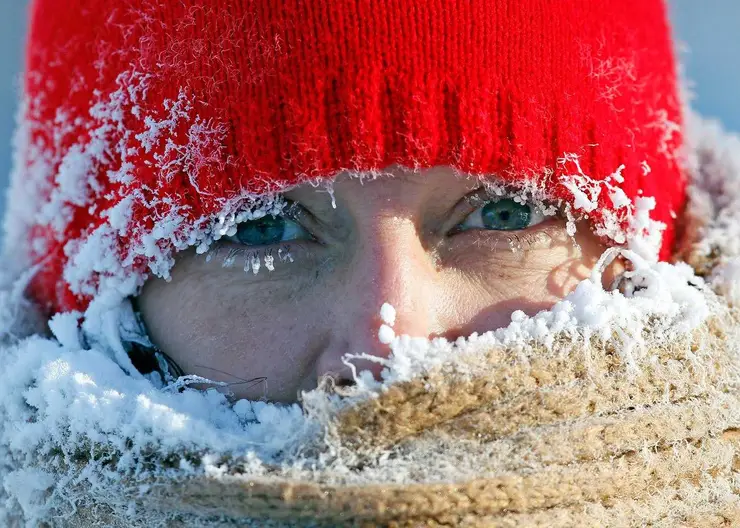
[150,124]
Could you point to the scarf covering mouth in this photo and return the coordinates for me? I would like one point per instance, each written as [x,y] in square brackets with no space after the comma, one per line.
[608,410]
[564,436]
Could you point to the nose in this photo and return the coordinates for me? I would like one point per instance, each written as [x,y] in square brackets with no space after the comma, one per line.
[389,265]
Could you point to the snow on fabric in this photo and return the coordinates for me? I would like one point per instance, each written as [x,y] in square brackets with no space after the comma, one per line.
[101,269]
[82,427]
[69,403]
[97,263]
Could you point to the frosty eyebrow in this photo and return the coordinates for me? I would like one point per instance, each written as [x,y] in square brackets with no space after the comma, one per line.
[315,200]
[318,215]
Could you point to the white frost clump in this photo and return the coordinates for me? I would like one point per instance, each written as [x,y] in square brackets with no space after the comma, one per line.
[646,234]
[388,314]
[386,334]
[626,222]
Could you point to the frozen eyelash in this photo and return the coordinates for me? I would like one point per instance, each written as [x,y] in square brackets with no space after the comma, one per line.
[252,259]
[491,191]
[533,192]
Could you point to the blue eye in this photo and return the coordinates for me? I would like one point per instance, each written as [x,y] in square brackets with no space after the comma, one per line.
[503,215]
[268,230]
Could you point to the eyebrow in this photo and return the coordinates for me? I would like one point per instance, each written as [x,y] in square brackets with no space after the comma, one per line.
[316,210]
[309,199]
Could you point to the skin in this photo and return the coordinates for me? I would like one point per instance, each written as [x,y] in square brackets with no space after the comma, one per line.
[390,239]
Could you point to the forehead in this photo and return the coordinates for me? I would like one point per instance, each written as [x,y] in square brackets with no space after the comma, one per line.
[438,185]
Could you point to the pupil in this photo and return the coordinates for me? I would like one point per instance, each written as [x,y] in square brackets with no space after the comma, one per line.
[266,230]
[506,215]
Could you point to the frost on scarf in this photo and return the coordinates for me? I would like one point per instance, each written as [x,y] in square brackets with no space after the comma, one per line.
[713,213]
[79,421]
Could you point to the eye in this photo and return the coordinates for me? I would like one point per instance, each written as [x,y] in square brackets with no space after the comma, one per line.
[502,215]
[268,230]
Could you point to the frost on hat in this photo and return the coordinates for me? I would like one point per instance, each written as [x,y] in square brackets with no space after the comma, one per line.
[150,126]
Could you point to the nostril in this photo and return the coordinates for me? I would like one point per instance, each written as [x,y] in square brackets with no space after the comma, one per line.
[336,380]
[344,382]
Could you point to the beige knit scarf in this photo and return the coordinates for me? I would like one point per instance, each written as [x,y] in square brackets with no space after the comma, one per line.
[564,438]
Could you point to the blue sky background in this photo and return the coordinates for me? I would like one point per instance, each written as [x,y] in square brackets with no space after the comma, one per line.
[708,28]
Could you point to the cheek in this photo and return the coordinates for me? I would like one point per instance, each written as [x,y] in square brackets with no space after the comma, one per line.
[486,287]
[228,325]
[219,325]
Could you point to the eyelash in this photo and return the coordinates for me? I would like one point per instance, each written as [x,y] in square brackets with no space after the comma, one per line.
[248,254]
[516,239]
[527,241]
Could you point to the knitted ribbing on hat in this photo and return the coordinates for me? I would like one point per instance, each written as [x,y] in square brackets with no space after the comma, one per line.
[149,125]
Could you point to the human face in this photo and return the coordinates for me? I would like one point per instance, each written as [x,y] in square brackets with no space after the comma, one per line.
[431,243]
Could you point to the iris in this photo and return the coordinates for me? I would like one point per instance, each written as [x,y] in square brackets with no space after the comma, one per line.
[263,231]
[506,215]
